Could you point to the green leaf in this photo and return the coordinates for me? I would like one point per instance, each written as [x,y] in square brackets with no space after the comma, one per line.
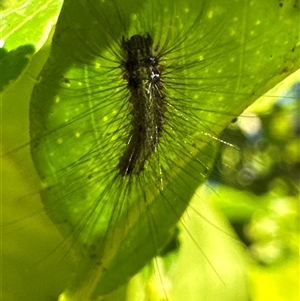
[232,43]
[25,27]
[209,264]
[13,63]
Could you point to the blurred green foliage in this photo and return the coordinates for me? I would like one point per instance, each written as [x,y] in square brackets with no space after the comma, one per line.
[259,183]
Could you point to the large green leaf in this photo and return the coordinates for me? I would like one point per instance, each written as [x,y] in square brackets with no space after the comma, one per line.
[230,55]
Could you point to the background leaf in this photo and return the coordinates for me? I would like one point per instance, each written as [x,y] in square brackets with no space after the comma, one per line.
[25,27]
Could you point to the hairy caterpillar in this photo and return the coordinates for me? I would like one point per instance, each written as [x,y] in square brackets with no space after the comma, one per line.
[103,146]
